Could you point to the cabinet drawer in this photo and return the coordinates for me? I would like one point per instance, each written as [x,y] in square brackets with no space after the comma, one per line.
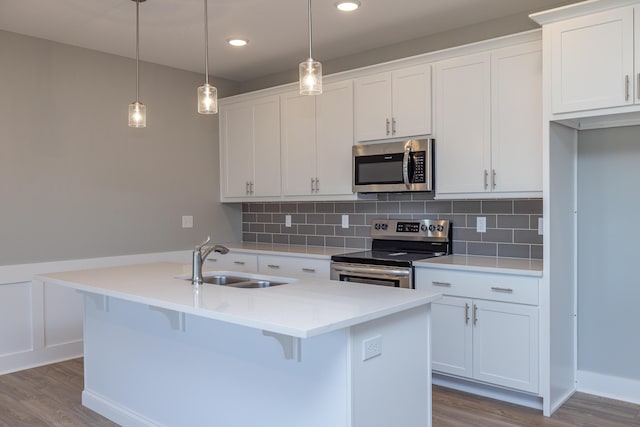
[294,266]
[233,262]
[496,287]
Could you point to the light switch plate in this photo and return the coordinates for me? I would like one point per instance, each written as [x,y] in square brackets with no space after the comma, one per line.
[540,229]
[345,221]
[287,220]
[187,221]
[481,224]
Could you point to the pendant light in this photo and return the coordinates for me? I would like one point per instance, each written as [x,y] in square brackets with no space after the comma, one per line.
[310,70]
[137,110]
[207,94]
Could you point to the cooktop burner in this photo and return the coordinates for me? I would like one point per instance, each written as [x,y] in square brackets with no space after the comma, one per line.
[401,242]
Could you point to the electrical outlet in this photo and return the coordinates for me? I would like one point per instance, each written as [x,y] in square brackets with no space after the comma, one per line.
[345,221]
[187,221]
[287,220]
[481,224]
[540,230]
[371,347]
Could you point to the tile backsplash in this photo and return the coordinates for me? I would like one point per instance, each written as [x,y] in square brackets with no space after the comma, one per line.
[512,224]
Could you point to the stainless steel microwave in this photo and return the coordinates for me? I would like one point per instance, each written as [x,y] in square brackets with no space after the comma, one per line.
[393,166]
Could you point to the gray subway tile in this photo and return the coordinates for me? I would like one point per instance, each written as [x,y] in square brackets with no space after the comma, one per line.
[289,230]
[325,207]
[249,217]
[536,251]
[248,237]
[335,242]
[513,221]
[382,197]
[307,229]
[315,218]
[497,206]
[355,242]
[369,218]
[423,195]
[344,207]
[484,249]
[298,218]
[256,227]
[245,227]
[466,234]
[528,206]
[306,207]
[362,230]
[295,239]
[533,221]
[245,207]
[497,235]
[325,230]
[264,217]
[366,207]
[467,206]
[333,219]
[315,240]
[289,207]
[472,220]
[513,250]
[256,207]
[459,247]
[281,238]
[398,196]
[527,236]
[389,207]
[356,219]
[339,231]
[457,220]
[265,238]
[272,207]
[406,216]
[439,206]
[272,228]
[412,207]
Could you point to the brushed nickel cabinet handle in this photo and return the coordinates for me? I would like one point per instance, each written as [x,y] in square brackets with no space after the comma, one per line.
[239,262]
[309,270]
[317,184]
[466,313]
[626,87]
[486,177]
[312,182]
[387,126]
[638,86]
[444,284]
[497,289]
[393,126]
[273,266]
[212,259]
[251,187]
[246,187]
[493,179]
[475,314]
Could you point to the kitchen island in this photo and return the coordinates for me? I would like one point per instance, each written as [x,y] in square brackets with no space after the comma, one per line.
[159,351]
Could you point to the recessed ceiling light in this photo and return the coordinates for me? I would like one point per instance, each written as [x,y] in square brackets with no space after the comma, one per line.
[238,42]
[348,6]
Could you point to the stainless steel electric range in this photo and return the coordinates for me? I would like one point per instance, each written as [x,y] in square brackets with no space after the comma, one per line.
[396,245]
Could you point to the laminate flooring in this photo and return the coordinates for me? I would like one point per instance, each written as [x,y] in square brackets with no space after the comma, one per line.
[50,396]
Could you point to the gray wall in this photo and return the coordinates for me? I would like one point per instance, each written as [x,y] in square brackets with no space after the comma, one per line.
[473,33]
[76,182]
[608,283]
[511,224]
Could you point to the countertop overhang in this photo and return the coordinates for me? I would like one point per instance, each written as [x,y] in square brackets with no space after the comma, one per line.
[302,308]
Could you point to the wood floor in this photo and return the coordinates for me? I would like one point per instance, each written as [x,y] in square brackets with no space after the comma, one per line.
[50,396]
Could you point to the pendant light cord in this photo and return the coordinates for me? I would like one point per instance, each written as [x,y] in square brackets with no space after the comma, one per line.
[206,44]
[137,49]
[310,32]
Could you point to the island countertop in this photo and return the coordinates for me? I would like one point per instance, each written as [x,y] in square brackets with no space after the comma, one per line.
[302,308]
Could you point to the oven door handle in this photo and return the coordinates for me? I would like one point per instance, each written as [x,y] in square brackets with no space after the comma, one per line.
[405,164]
[367,270]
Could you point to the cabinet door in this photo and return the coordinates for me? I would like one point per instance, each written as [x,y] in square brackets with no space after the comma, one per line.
[291,266]
[636,80]
[247,263]
[334,138]
[592,61]
[451,336]
[505,344]
[373,107]
[516,118]
[266,147]
[411,93]
[236,149]
[463,120]
[298,144]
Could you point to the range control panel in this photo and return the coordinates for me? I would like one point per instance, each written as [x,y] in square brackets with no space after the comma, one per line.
[422,229]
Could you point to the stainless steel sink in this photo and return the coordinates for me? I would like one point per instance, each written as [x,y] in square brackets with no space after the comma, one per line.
[239,281]
[257,284]
[224,280]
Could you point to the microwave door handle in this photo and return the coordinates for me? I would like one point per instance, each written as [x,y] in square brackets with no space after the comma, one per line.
[405,165]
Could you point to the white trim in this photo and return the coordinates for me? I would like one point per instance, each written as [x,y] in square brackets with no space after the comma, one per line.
[577,9]
[114,411]
[618,388]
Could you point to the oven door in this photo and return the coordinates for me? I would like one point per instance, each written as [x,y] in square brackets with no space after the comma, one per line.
[398,277]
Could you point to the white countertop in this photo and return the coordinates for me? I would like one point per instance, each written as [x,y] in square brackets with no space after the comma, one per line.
[302,308]
[524,267]
[288,250]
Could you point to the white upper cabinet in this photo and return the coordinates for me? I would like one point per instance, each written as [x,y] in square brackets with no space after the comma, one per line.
[250,149]
[592,61]
[317,136]
[489,123]
[394,104]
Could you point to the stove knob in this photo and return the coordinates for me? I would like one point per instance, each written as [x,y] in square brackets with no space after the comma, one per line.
[385,226]
[423,227]
[377,226]
[432,228]
[440,228]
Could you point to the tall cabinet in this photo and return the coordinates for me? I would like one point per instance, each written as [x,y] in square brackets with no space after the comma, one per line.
[317,136]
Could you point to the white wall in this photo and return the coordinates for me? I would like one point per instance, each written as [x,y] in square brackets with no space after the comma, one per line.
[76,182]
[608,236]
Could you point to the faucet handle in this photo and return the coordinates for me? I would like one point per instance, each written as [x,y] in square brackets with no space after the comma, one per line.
[198,247]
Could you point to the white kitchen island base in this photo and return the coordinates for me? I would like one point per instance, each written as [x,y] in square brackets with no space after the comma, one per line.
[310,353]
[149,367]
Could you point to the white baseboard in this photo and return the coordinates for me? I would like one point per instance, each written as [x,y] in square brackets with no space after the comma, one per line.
[114,411]
[618,388]
[40,357]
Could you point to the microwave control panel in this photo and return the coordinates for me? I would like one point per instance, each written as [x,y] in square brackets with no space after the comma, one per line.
[419,166]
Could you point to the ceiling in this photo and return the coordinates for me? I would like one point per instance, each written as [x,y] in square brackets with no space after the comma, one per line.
[172,31]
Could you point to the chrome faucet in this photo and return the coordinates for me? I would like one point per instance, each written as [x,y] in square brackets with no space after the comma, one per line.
[200,253]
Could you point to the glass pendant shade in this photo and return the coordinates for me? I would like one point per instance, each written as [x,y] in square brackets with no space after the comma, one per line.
[137,115]
[207,99]
[310,77]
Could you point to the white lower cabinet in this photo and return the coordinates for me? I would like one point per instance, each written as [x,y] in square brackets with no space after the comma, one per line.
[291,266]
[247,263]
[493,341]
